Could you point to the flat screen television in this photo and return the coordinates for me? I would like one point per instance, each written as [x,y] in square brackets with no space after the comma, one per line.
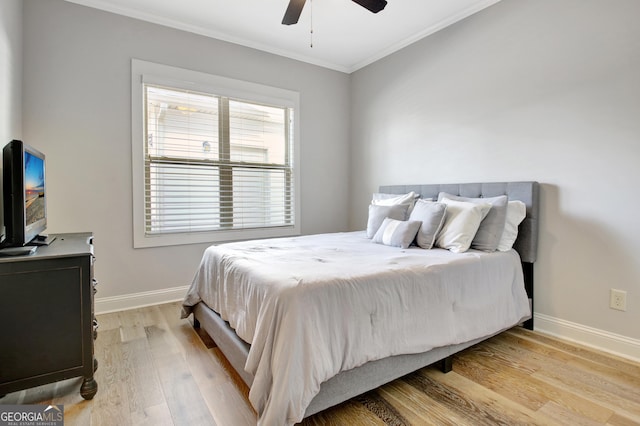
[24,193]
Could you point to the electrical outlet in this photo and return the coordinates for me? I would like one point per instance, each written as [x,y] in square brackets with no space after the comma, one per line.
[618,300]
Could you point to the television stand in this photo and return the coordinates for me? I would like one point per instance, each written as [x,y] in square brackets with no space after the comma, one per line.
[46,312]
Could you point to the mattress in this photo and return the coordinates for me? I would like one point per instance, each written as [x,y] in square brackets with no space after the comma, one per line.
[314,306]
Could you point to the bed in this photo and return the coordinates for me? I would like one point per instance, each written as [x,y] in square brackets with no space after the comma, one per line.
[332,316]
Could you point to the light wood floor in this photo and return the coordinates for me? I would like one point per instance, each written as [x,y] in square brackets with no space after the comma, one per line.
[156,370]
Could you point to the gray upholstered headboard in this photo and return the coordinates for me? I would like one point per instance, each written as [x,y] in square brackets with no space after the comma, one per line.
[528,192]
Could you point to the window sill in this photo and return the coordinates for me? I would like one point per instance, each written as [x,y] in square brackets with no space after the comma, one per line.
[212,237]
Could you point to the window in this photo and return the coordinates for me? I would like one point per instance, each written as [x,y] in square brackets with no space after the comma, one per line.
[213,158]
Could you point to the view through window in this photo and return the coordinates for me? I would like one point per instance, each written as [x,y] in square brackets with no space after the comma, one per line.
[215,163]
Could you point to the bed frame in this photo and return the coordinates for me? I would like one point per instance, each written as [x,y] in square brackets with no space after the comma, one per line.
[371,375]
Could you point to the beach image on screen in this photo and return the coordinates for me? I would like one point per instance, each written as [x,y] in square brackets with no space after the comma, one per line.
[34,188]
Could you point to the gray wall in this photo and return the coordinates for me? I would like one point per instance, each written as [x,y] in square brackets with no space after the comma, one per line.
[77,96]
[10,78]
[524,90]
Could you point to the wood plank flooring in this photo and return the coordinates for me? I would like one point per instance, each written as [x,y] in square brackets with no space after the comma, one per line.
[155,369]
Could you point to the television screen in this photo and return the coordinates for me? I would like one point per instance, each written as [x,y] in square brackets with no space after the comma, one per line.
[33,189]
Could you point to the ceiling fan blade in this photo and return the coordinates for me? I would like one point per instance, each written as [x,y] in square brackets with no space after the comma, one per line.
[293,12]
[374,6]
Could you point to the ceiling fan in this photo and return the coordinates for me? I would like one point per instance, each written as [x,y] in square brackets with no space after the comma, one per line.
[294,9]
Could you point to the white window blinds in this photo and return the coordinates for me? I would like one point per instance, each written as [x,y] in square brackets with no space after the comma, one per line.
[215,163]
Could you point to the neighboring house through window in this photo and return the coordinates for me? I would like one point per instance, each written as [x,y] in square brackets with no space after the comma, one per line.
[213,158]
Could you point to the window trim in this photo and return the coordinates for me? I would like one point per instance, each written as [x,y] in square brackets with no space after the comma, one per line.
[153,73]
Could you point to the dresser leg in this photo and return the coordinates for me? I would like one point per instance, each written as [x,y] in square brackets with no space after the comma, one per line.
[95,365]
[89,388]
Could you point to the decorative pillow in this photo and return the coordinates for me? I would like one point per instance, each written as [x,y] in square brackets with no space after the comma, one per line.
[516,212]
[461,223]
[396,233]
[377,214]
[382,199]
[432,217]
[492,226]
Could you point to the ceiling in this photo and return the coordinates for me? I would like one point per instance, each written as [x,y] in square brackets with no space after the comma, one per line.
[346,37]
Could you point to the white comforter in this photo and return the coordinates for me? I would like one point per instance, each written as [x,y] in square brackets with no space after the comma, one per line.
[314,306]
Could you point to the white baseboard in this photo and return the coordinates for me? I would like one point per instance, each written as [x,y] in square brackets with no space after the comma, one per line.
[605,341]
[105,305]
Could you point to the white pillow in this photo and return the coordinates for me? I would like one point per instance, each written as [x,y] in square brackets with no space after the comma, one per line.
[461,223]
[397,233]
[516,212]
[383,199]
[492,226]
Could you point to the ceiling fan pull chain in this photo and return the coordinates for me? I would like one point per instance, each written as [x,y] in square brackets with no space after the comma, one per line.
[311,31]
